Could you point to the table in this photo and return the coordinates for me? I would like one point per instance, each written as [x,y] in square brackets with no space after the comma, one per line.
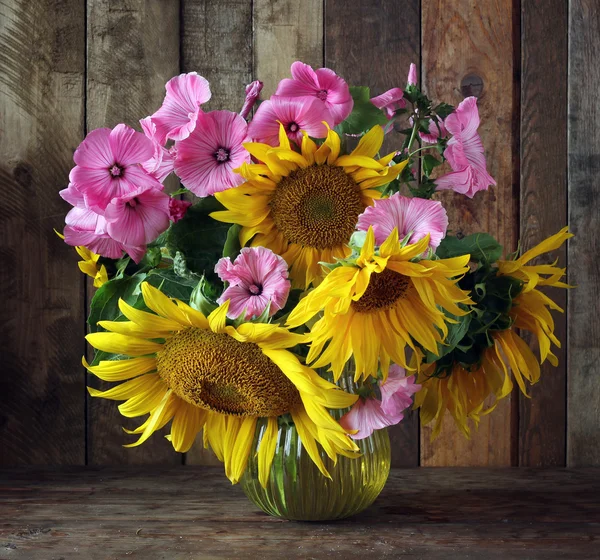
[194,513]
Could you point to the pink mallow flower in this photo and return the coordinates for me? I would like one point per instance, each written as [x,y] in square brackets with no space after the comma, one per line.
[323,84]
[252,92]
[108,164]
[138,217]
[177,117]
[256,278]
[465,152]
[416,217]
[390,101]
[160,165]
[177,209]
[205,161]
[412,75]
[436,129]
[370,414]
[86,227]
[295,114]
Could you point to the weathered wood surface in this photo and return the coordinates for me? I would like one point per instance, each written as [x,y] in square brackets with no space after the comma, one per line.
[583,425]
[191,512]
[373,27]
[543,210]
[285,31]
[42,66]
[132,50]
[466,43]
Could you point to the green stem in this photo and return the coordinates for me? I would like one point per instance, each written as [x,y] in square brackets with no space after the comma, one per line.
[421,149]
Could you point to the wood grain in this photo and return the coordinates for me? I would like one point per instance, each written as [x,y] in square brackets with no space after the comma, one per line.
[42,64]
[463,38]
[366,48]
[217,43]
[542,418]
[192,512]
[583,425]
[133,49]
[285,31]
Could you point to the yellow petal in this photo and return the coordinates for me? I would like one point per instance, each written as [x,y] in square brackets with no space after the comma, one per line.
[122,344]
[266,450]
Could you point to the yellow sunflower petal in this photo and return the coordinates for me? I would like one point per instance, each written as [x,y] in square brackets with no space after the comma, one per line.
[266,450]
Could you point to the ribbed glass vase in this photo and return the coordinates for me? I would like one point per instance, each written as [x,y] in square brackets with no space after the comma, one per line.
[297,490]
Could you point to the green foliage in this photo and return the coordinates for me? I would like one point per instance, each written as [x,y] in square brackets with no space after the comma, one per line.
[204,297]
[364,114]
[199,238]
[429,163]
[232,246]
[172,284]
[481,246]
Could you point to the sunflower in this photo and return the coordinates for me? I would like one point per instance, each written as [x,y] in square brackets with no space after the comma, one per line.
[203,374]
[304,206]
[382,302]
[464,391]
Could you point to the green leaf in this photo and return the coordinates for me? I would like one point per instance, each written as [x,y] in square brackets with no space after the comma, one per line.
[456,333]
[105,303]
[204,297]
[232,245]
[443,110]
[199,238]
[481,246]
[429,164]
[171,284]
[364,114]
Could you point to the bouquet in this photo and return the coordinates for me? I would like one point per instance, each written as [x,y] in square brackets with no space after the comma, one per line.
[294,254]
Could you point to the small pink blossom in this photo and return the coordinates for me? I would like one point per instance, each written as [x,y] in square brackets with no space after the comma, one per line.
[86,227]
[108,164]
[177,209]
[160,165]
[177,117]
[465,152]
[205,161]
[390,101]
[295,114]
[416,217]
[252,92]
[370,414]
[256,278]
[323,84]
[138,217]
[412,75]
[436,129]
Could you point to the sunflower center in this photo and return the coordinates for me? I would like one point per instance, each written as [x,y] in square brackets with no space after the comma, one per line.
[384,289]
[216,372]
[317,206]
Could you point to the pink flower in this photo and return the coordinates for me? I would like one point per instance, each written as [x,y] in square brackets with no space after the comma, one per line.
[160,165]
[86,227]
[465,152]
[205,161]
[323,84]
[370,414]
[436,129]
[256,278]
[397,391]
[295,114]
[390,101]
[416,217]
[138,217]
[108,164]
[177,209]
[252,92]
[412,75]
[177,117]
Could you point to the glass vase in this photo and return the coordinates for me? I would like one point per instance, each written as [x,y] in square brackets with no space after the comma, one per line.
[296,488]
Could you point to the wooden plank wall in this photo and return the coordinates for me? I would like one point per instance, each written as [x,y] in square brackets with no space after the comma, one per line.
[67,67]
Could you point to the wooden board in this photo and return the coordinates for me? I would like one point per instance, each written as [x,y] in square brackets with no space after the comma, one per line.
[217,43]
[133,50]
[461,40]
[190,512]
[366,48]
[583,423]
[42,65]
[543,209]
[285,31]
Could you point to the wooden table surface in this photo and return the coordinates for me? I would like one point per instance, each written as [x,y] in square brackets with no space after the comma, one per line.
[188,512]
